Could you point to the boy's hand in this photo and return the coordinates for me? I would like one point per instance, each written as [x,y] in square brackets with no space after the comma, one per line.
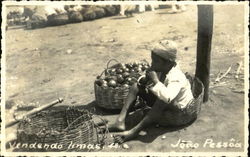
[152,75]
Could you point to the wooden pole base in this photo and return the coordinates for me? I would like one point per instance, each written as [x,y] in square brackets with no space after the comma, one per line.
[205,32]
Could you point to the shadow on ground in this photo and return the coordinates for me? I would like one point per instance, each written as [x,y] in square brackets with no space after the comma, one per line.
[155,131]
[134,117]
[162,13]
[120,18]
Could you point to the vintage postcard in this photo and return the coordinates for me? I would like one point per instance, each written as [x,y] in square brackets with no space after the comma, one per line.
[124,78]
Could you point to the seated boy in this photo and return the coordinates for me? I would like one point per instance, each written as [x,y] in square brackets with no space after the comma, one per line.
[169,95]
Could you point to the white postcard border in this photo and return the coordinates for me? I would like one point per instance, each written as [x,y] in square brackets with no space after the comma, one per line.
[246,82]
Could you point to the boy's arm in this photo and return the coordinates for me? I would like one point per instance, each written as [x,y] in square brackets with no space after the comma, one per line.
[166,93]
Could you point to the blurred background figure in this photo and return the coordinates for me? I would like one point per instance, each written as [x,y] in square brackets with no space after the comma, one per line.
[178,8]
[128,10]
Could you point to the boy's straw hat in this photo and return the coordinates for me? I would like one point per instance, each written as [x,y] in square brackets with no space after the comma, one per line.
[166,49]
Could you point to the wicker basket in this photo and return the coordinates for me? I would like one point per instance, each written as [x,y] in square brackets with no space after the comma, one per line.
[63,127]
[198,93]
[112,98]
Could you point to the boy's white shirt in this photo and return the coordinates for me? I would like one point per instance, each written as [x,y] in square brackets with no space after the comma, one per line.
[175,87]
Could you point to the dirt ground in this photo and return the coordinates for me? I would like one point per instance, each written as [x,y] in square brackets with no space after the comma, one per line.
[63,61]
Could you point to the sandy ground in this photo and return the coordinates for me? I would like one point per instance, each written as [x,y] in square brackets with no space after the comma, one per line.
[63,61]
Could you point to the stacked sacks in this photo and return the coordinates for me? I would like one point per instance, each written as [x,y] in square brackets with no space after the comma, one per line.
[14,16]
[73,7]
[111,10]
[36,16]
[54,15]
[100,12]
[57,15]
[88,13]
[74,13]
[57,19]
[75,16]
[36,22]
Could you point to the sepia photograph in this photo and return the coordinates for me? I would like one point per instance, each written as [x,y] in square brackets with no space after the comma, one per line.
[109,78]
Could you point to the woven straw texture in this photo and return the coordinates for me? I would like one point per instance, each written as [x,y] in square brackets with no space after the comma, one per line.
[197,87]
[64,127]
[112,98]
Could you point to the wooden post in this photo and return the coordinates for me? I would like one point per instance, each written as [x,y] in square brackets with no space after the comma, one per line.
[205,32]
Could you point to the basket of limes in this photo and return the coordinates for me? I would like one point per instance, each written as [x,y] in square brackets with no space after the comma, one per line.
[112,85]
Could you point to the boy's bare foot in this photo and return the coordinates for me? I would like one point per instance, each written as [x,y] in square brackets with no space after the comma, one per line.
[117,126]
[124,136]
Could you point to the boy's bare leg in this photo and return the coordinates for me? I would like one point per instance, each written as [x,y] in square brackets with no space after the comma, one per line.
[155,114]
[120,122]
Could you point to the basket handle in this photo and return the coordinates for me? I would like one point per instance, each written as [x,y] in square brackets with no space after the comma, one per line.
[108,66]
[111,61]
